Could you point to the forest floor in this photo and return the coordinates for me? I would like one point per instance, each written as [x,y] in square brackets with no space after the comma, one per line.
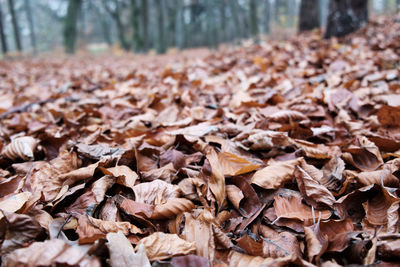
[284,152]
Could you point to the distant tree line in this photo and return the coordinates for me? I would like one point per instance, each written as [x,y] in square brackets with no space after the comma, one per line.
[142,25]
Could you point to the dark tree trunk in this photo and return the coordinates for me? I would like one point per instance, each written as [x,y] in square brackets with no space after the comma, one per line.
[234,10]
[70,29]
[309,15]
[4,47]
[180,36]
[172,19]
[222,13]
[398,5]
[145,22]
[253,18]
[346,17]
[161,48]
[267,16]
[14,21]
[32,35]
[137,39]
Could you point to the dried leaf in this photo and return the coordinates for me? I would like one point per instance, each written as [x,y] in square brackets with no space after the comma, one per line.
[20,147]
[275,175]
[161,246]
[122,253]
[217,180]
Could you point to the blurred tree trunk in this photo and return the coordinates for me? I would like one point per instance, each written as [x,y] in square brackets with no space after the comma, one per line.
[71,20]
[116,15]
[222,15]
[172,19]
[161,46]
[267,12]
[346,17]
[309,15]
[3,40]
[14,21]
[212,35]
[180,31]
[137,39]
[398,5]
[234,10]
[253,19]
[32,34]
[144,21]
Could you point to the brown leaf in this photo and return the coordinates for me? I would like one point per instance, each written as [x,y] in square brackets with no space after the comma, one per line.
[155,192]
[172,208]
[314,193]
[122,253]
[125,175]
[292,208]
[389,116]
[19,230]
[13,203]
[233,165]
[20,147]
[217,180]
[90,229]
[50,253]
[275,175]
[161,246]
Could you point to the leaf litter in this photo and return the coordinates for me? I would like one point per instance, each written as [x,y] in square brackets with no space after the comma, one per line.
[272,154]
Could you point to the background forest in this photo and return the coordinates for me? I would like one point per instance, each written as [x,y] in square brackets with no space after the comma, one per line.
[35,26]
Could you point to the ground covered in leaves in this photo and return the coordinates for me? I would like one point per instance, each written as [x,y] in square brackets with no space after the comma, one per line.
[263,155]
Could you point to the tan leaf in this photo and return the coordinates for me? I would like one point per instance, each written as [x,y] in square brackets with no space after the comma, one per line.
[232,164]
[275,175]
[20,147]
[122,253]
[155,192]
[235,195]
[172,208]
[314,193]
[125,175]
[50,253]
[91,229]
[12,203]
[161,246]
[217,179]
[291,207]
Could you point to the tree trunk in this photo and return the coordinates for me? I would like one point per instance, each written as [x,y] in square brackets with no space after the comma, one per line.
[309,15]
[14,21]
[3,40]
[211,31]
[222,14]
[234,10]
[145,22]
[267,16]
[137,39]
[398,5]
[346,16]
[253,19]
[172,19]
[32,35]
[71,20]
[180,31]
[161,48]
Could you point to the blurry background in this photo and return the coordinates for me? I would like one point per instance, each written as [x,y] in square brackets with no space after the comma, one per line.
[95,26]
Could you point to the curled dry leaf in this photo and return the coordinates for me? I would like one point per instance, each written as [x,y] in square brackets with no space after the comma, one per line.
[233,165]
[90,229]
[155,192]
[125,176]
[275,175]
[123,254]
[172,208]
[216,181]
[18,230]
[50,253]
[314,193]
[161,246]
[20,147]
[291,207]
[13,203]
